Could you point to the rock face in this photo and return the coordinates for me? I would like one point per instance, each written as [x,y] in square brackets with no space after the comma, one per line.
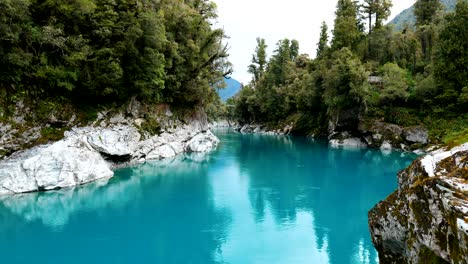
[426,219]
[119,141]
[381,135]
[416,135]
[89,153]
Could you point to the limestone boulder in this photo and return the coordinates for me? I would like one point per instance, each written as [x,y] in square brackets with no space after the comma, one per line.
[202,142]
[65,163]
[115,141]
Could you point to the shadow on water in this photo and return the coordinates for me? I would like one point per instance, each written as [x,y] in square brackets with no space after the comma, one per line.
[257,199]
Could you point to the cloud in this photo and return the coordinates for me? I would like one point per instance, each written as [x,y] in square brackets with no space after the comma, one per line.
[245,20]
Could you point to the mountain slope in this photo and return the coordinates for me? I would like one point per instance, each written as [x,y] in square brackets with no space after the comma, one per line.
[406,17]
[232,87]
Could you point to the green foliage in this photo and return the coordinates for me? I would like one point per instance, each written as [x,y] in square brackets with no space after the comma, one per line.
[395,84]
[345,85]
[407,19]
[322,45]
[425,10]
[259,60]
[419,76]
[151,126]
[108,51]
[50,134]
[450,129]
[401,116]
[347,28]
[451,57]
[380,9]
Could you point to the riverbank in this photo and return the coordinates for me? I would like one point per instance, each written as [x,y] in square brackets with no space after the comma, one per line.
[377,135]
[117,138]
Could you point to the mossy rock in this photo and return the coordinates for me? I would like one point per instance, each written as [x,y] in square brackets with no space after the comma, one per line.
[427,256]
[51,134]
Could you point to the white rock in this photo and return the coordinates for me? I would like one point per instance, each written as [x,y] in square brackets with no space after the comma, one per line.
[138,122]
[177,147]
[164,151]
[65,163]
[377,136]
[116,141]
[416,135]
[386,145]
[348,142]
[429,162]
[202,142]
[77,159]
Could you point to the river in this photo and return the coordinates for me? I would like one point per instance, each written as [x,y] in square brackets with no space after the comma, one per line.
[256,199]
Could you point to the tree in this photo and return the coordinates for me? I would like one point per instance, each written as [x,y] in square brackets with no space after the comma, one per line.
[451,55]
[380,9]
[347,28]
[425,11]
[259,60]
[322,45]
[395,84]
[294,49]
[108,51]
[277,66]
[345,83]
[382,12]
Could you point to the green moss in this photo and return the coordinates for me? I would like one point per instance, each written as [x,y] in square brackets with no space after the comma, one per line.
[427,256]
[90,114]
[419,206]
[151,126]
[456,137]
[51,134]
[3,153]
[451,130]
[402,116]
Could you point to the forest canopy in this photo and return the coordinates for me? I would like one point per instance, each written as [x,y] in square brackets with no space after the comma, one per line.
[95,51]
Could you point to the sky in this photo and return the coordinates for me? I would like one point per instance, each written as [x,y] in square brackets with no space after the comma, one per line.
[245,20]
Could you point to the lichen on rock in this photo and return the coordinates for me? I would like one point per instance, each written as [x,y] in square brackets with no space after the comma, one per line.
[426,219]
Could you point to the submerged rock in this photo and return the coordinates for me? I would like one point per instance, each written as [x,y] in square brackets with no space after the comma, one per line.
[426,219]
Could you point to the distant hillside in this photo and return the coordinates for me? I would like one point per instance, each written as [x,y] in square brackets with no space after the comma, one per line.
[407,15]
[231,89]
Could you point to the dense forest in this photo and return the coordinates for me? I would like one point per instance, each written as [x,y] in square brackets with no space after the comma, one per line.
[367,71]
[91,52]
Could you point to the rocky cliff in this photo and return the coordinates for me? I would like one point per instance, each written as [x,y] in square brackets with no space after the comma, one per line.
[426,219]
[89,153]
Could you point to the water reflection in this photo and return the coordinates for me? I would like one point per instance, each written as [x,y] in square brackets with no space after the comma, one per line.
[144,214]
[336,187]
[257,199]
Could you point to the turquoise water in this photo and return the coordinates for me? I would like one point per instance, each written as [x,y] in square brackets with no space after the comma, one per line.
[257,199]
